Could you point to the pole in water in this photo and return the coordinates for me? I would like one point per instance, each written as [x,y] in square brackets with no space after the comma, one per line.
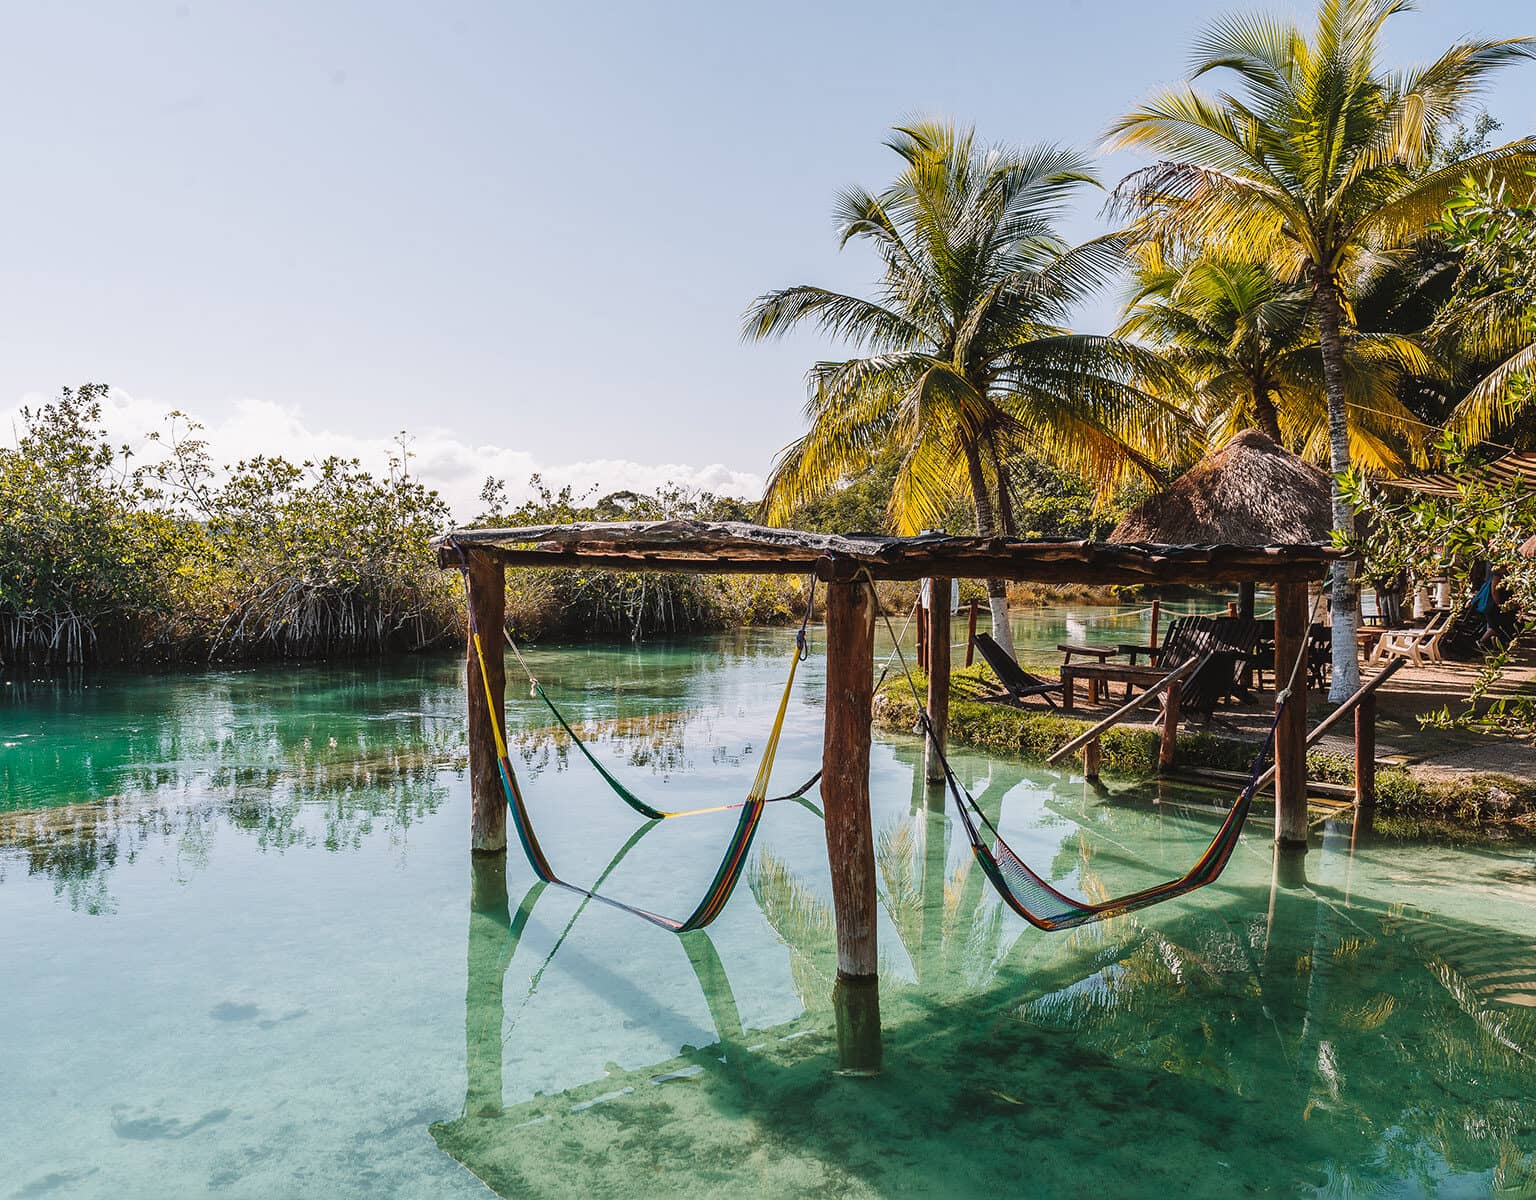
[938,677]
[488,805]
[850,837]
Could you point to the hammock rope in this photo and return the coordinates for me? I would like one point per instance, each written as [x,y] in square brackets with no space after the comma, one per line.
[732,864]
[1031,896]
[649,811]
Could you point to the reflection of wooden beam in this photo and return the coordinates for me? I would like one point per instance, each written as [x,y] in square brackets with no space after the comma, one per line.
[850,839]
[1291,630]
[492,941]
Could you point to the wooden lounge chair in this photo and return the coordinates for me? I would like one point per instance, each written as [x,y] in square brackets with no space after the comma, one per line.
[1018,682]
[1415,645]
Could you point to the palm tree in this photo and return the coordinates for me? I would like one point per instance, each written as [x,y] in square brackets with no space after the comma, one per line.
[1245,342]
[967,356]
[1488,322]
[1323,164]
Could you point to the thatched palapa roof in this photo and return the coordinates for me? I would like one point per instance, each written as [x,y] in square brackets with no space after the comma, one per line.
[1251,492]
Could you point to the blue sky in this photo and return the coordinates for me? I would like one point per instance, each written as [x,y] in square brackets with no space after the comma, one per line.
[525,233]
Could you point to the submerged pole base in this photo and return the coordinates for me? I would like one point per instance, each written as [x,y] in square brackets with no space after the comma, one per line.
[856,1003]
[1291,864]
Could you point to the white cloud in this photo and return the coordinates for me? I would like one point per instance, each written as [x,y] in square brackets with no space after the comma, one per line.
[442,459]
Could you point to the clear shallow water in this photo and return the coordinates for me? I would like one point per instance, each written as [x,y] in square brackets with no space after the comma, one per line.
[247,954]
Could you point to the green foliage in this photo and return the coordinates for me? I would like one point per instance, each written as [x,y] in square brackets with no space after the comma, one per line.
[102,559]
[1491,314]
[636,605]
[83,553]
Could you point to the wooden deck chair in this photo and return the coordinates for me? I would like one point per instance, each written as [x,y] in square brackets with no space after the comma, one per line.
[1018,682]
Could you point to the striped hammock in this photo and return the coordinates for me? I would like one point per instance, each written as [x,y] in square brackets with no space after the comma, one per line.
[727,875]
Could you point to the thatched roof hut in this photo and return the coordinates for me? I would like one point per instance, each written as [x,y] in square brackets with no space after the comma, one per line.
[1251,492]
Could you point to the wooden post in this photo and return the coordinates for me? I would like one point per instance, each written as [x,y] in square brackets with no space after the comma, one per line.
[1365,752]
[1168,747]
[488,804]
[1291,733]
[1091,754]
[1157,612]
[922,636]
[938,675]
[970,633]
[850,840]
[1245,600]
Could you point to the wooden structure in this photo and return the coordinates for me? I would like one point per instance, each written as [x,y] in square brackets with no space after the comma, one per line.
[848,565]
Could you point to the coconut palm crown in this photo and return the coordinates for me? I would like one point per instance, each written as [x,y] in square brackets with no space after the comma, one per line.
[1322,163]
[966,355]
[1246,343]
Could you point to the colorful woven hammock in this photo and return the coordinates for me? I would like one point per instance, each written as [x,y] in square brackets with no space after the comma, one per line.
[1029,895]
[727,875]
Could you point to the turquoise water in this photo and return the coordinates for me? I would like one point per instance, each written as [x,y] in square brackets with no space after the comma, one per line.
[247,954]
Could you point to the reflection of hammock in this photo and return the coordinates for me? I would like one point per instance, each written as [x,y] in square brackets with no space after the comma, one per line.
[731,865]
[622,792]
[1029,895]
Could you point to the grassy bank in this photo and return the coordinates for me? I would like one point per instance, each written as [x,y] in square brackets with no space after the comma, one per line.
[1031,734]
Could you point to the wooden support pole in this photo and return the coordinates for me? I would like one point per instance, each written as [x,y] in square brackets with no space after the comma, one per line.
[922,636]
[1365,751]
[1168,746]
[850,840]
[938,675]
[1091,755]
[1291,733]
[488,805]
[1157,612]
[1246,600]
[970,633]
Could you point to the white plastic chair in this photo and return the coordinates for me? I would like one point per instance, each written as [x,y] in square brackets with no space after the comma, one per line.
[1413,644]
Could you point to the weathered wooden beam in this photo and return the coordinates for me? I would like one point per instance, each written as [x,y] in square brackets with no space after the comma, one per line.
[938,674]
[1127,708]
[1020,568]
[1092,754]
[970,633]
[1168,741]
[488,806]
[700,546]
[850,623]
[1291,732]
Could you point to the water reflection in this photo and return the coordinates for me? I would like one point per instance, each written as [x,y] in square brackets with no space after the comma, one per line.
[1285,1038]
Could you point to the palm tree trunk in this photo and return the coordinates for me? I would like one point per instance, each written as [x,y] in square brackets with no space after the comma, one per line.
[986,526]
[1265,415]
[1346,654]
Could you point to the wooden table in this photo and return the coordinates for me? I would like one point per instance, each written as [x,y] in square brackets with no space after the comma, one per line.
[1104,672]
[1101,653]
